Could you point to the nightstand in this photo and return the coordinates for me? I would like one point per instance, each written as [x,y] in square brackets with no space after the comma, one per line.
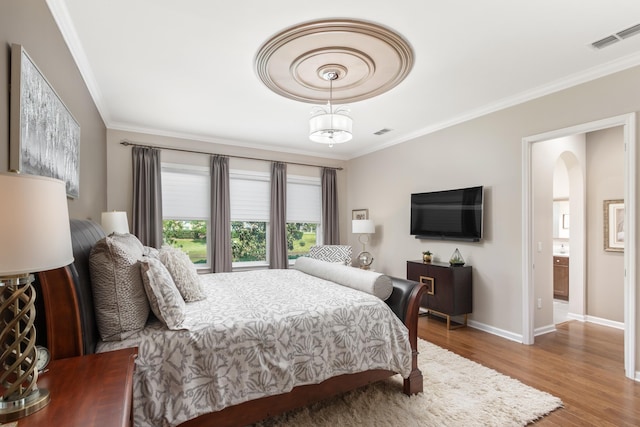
[93,390]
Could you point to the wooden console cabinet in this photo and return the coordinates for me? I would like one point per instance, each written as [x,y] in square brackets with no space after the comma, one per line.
[449,289]
[561,277]
[86,391]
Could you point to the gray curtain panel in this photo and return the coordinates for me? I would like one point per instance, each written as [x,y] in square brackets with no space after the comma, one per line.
[278,217]
[330,219]
[220,215]
[147,196]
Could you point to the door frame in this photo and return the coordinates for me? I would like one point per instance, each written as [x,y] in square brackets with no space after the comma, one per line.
[528,297]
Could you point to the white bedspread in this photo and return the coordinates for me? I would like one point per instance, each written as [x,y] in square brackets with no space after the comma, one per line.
[259,333]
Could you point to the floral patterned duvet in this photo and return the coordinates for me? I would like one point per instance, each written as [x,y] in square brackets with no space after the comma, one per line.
[259,333]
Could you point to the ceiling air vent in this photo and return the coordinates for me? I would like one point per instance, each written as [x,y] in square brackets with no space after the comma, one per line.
[631,31]
[614,38]
[382,131]
[607,41]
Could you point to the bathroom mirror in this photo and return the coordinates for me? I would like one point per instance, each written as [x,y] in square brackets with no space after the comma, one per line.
[561,219]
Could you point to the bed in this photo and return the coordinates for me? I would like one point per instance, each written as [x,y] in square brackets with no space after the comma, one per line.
[69,323]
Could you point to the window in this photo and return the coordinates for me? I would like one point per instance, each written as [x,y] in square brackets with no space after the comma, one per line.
[250,195]
[185,210]
[304,208]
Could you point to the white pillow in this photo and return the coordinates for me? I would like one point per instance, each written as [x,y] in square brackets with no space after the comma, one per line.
[119,298]
[164,298]
[183,272]
[363,280]
[151,252]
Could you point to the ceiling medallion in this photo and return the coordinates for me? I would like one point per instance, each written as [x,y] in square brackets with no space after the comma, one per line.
[370,60]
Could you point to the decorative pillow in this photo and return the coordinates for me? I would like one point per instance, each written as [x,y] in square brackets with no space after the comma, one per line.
[120,301]
[151,252]
[129,240]
[183,272]
[363,280]
[164,298]
[332,253]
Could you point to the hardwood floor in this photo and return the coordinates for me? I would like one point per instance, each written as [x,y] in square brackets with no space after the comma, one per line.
[581,363]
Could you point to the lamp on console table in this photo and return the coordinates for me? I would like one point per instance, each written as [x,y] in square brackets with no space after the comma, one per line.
[34,236]
[363,227]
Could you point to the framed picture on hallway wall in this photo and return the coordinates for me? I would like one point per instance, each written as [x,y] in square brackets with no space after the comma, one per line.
[44,135]
[614,225]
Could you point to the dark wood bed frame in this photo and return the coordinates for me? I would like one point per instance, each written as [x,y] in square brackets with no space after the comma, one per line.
[69,324]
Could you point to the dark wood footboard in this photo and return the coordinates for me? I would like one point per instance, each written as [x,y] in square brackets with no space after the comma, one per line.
[413,384]
[70,327]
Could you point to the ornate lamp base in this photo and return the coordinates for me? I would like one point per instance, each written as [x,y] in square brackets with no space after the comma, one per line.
[11,410]
[18,374]
[364,260]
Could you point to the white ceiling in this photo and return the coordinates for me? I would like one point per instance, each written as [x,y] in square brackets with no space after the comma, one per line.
[185,68]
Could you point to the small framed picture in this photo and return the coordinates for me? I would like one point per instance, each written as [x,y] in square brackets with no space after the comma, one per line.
[360,214]
[614,225]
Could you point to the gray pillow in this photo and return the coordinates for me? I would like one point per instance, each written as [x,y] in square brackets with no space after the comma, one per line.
[363,280]
[183,272]
[130,242]
[164,298]
[120,301]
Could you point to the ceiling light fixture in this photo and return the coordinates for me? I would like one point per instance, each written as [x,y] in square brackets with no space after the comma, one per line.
[328,125]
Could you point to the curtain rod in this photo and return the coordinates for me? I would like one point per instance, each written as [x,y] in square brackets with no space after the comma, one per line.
[133,144]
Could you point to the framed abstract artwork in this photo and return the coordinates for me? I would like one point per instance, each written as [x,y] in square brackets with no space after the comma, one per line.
[360,214]
[614,225]
[44,135]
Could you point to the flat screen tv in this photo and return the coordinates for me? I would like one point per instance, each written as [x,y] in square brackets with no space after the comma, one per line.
[448,215]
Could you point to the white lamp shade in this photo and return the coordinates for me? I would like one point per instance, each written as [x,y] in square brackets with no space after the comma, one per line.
[34,224]
[363,226]
[115,221]
[330,128]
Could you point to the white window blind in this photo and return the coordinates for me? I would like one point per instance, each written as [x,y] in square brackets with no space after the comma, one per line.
[185,192]
[250,195]
[304,199]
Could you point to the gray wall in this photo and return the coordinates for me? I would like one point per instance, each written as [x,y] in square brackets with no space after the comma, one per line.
[605,181]
[29,23]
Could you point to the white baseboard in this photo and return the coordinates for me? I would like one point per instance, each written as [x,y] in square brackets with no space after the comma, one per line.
[495,331]
[579,317]
[605,322]
[596,320]
[544,330]
[512,336]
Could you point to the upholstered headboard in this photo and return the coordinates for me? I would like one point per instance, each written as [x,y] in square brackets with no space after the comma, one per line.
[68,299]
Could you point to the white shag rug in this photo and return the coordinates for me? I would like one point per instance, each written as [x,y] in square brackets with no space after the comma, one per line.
[457,392]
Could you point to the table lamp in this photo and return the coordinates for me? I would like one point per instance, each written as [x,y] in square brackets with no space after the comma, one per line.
[115,222]
[363,227]
[35,236]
